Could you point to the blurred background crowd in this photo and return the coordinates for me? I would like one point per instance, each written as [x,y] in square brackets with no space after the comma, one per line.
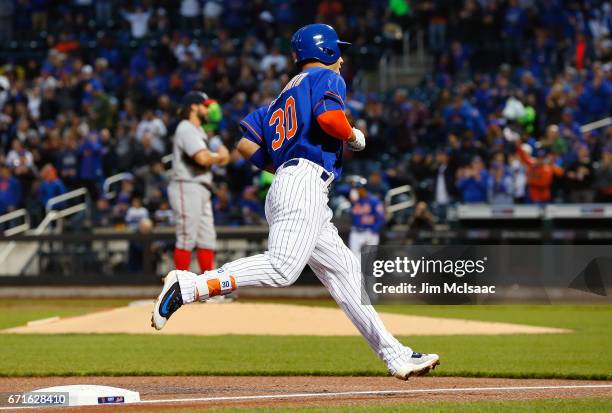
[88,89]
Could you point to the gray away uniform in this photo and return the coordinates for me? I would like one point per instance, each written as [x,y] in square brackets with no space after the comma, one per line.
[188,192]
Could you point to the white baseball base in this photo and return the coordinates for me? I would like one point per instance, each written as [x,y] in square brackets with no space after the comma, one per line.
[92,395]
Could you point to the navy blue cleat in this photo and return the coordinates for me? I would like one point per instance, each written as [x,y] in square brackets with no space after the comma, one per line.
[168,301]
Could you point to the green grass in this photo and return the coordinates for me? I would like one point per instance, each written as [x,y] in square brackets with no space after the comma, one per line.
[584,353]
[585,405]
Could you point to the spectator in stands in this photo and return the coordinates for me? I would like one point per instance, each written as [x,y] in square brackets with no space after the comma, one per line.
[187,46]
[21,162]
[596,99]
[422,219]
[553,142]
[137,249]
[102,213]
[514,25]
[139,21]
[24,131]
[135,213]
[603,180]
[163,215]
[10,190]
[6,21]
[212,11]
[51,185]
[473,182]
[107,152]
[274,60]
[223,208]
[90,168]
[145,154]
[519,178]
[556,101]
[376,185]
[154,128]
[190,14]
[19,156]
[500,185]
[568,127]
[422,174]
[540,174]
[155,180]
[444,187]
[104,12]
[125,148]
[126,192]
[251,208]
[580,176]
[68,160]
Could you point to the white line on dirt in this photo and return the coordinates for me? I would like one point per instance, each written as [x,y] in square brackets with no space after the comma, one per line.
[355,393]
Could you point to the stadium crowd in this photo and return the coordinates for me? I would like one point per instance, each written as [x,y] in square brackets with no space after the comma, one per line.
[89,89]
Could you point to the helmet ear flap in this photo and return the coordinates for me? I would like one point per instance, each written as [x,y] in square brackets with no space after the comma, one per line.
[328,51]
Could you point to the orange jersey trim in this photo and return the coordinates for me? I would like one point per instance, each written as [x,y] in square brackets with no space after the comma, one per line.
[252,130]
[335,95]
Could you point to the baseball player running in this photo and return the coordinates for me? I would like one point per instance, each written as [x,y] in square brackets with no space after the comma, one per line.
[190,189]
[367,217]
[300,136]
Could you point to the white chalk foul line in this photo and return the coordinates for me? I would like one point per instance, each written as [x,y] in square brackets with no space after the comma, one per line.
[355,393]
[374,393]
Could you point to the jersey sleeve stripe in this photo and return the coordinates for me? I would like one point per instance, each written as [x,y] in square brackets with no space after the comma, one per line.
[252,130]
[329,92]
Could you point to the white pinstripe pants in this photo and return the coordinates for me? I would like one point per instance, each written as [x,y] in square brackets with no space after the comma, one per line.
[301,233]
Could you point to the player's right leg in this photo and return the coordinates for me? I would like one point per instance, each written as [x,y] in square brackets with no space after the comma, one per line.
[206,234]
[185,204]
[340,271]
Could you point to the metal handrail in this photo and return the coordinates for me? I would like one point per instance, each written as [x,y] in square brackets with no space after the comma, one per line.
[602,123]
[52,215]
[122,176]
[65,197]
[391,208]
[14,215]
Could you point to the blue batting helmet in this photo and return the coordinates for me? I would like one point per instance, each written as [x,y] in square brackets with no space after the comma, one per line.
[317,42]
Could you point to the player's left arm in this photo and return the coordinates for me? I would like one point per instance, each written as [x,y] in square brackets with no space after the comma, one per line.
[328,108]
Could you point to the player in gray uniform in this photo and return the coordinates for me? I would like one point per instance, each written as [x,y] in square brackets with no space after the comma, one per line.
[190,190]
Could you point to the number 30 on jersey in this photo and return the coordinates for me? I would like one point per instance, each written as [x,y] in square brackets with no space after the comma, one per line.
[285,122]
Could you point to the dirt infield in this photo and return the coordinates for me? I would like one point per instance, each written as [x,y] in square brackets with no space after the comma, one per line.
[251,318]
[162,393]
